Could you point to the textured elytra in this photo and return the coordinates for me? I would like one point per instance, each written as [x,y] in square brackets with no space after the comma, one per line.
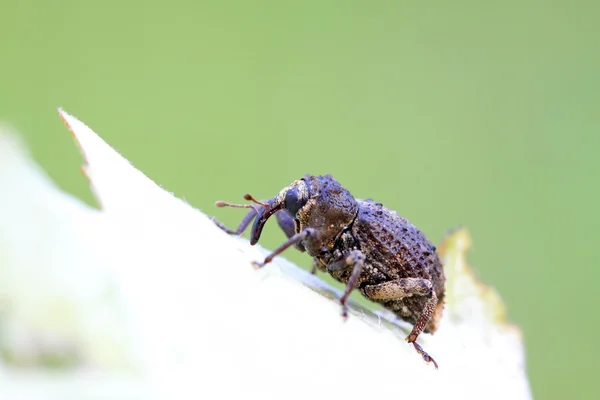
[397,249]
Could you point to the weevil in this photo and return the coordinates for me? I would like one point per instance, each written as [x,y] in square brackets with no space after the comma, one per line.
[360,243]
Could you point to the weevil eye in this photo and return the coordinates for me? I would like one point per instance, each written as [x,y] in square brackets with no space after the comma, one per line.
[294,201]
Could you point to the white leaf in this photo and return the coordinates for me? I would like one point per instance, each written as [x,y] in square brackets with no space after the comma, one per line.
[195,320]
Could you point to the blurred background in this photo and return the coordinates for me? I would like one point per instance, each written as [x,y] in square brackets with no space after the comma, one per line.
[452,113]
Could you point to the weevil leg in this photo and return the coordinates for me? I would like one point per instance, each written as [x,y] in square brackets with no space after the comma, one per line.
[297,238]
[424,354]
[241,227]
[315,267]
[286,223]
[401,288]
[288,226]
[355,260]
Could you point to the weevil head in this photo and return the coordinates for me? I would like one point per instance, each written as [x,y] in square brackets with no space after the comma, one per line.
[317,202]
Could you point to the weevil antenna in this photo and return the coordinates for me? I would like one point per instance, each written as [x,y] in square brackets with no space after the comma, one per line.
[225,204]
[249,197]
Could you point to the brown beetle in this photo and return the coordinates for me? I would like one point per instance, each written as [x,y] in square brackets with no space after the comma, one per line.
[360,243]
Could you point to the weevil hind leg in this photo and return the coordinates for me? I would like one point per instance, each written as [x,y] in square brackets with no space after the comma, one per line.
[406,287]
[424,354]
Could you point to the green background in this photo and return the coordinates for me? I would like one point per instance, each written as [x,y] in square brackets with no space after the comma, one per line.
[484,114]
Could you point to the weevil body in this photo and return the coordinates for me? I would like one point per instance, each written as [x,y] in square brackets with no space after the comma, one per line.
[360,243]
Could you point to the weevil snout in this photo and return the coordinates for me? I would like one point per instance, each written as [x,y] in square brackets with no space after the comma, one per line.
[291,199]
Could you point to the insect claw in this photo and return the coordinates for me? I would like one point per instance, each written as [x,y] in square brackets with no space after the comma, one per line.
[257,265]
[344,313]
[426,357]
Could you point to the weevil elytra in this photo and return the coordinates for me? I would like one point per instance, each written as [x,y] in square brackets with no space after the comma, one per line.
[358,242]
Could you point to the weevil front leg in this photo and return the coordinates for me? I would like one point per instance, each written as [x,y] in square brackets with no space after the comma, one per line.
[288,226]
[286,223]
[406,287]
[354,260]
[294,240]
[241,227]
